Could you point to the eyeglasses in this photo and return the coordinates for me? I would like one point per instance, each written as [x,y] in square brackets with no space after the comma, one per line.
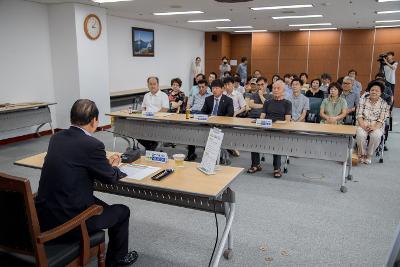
[346,83]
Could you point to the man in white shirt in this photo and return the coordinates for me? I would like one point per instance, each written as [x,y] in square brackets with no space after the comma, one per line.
[390,70]
[154,101]
[237,87]
[239,105]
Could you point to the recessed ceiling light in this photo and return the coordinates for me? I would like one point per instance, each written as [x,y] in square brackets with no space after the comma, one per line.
[387,21]
[208,20]
[388,12]
[280,7]
[110,1]
[252,31]
[387,26]
[235,27]
[177,13]
[382,1]
[298,17]
[318,29]
[310,24]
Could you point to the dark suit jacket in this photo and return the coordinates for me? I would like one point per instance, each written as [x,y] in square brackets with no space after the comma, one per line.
[73,161]
[225,106]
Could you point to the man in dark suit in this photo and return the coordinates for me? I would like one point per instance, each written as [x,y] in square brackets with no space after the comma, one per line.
[217,104]
[74,159]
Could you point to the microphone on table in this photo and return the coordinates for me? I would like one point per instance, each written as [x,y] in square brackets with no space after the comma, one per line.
[132,153]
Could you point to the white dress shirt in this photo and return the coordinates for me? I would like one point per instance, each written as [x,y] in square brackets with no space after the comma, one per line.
[238,100]
[155,102]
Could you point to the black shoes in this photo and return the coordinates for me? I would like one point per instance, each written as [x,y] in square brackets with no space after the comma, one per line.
[191,157]
[128,259]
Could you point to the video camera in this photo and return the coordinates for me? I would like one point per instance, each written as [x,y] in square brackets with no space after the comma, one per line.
[381,58]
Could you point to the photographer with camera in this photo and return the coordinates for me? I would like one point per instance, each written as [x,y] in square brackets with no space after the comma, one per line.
[389,69]
[224,67]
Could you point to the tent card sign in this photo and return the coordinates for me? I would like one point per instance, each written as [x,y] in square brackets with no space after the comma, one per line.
[156,156]
[212,151]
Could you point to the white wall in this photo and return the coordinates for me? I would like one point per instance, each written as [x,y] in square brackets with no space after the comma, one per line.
[45,56]
[65,60]
[25,59]
[93,62]
[175,50]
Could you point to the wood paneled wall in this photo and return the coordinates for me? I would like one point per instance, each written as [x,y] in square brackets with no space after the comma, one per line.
[314,52]
[241,47]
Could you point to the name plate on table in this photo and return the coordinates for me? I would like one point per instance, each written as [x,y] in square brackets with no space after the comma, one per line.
[200,117]
[212,151]
[148,113]
[155,156]
[267,123]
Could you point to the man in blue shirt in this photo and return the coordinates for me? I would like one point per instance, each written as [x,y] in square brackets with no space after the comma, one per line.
[242,70]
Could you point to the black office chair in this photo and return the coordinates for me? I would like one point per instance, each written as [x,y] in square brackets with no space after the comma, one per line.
[23,244]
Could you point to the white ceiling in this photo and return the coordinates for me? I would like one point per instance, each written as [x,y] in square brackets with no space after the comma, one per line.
[343,14]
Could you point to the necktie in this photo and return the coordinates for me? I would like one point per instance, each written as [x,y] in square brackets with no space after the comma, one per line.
[215,109]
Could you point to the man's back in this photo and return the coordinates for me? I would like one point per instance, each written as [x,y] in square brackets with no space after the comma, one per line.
[73,161]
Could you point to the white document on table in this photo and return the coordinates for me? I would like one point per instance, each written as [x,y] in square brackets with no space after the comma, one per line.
[137,171]
[212,151]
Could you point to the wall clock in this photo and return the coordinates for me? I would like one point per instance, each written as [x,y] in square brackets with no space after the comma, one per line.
[92,26]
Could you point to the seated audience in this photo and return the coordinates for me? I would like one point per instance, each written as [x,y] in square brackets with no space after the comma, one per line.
[352,98]
[304,77]
[387,93]
[288,80]
[250,88]
[371,115]
[196,102]
[314,90]
[276,109]
[357,87]
[326,79]
[154,101]
[334,108]
[300,103]
[257,74]
[239,105]
[226,75]
[176,97]
[195,89]
[275,77]
[211,77]
[74,160]
[237,87]
[216,104]
[258,98]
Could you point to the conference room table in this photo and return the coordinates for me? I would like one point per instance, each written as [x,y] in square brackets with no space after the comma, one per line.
[22,115]
[298,139]
[186,187]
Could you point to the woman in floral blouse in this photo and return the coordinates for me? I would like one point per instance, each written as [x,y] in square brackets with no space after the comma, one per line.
[176,97]
[372,112]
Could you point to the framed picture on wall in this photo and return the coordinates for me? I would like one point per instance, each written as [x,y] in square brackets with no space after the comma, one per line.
[142,42]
